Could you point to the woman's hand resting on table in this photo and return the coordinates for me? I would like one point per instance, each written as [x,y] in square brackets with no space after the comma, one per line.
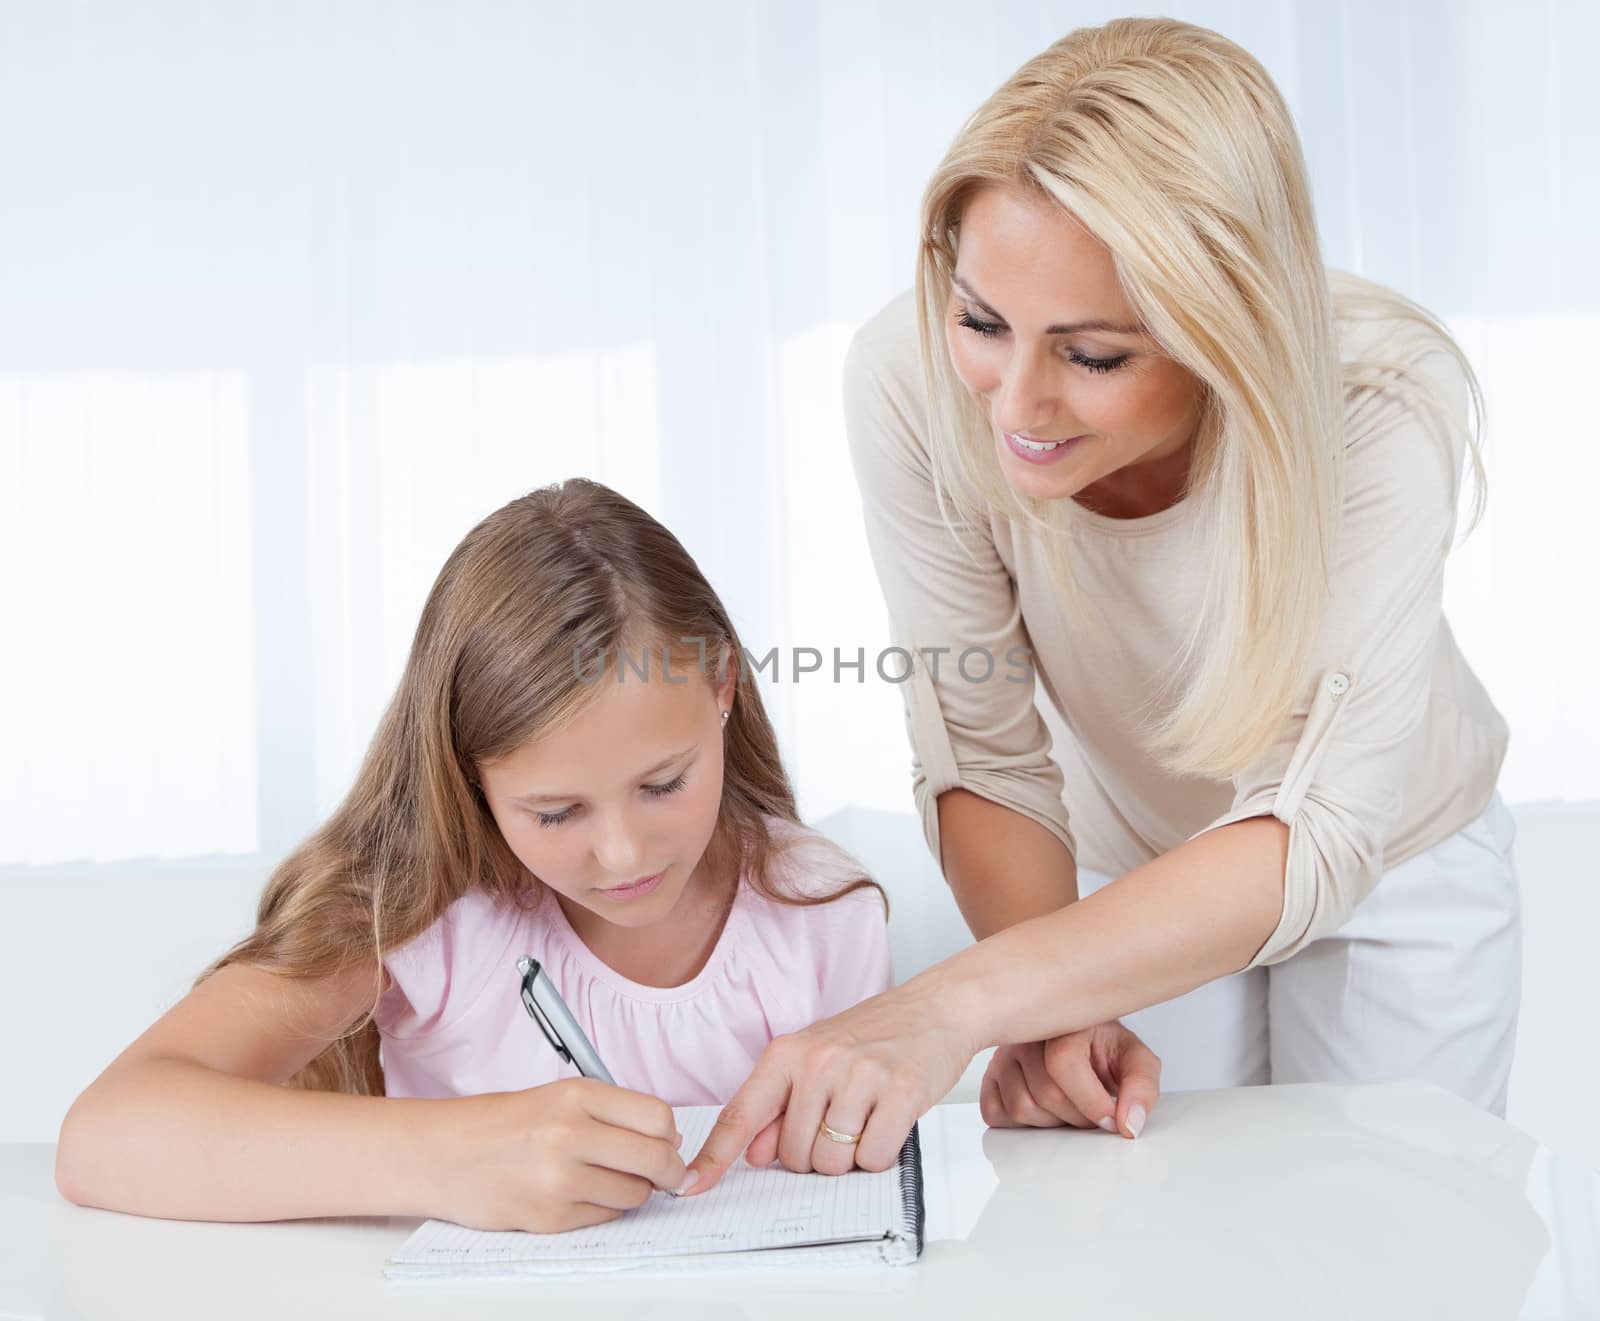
[1101,1077]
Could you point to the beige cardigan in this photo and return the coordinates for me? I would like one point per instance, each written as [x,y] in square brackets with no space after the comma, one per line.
[1394,746]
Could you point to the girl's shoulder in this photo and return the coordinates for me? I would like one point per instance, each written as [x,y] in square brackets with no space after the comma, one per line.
[802,910]
[805,864]
[470,924]
[834,937]
[437,975]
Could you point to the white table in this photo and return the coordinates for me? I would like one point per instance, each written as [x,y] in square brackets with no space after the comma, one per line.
[1271,1202]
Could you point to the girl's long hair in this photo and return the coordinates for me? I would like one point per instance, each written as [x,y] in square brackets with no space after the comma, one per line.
[501,657]
[1173,147]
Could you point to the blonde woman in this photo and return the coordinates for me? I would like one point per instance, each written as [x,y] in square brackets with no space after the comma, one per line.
[1131,437]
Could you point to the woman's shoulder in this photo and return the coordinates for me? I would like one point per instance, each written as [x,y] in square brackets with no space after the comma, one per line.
[1370,346]
[890,335]
[1406,385]
[883,365]
[1386,342]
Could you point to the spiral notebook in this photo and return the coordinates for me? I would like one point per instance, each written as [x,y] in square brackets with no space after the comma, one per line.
[753,1218]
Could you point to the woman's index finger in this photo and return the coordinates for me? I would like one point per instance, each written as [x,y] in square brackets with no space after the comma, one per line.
[763,1098]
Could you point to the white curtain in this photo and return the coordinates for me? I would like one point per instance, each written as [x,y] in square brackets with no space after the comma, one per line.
[292,293]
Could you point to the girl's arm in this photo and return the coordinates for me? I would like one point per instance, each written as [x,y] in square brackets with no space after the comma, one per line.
[192,1122]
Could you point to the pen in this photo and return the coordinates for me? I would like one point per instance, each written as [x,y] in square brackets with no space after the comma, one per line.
[546,1007]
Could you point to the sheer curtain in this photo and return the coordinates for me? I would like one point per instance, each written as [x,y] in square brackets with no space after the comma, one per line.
[292,294]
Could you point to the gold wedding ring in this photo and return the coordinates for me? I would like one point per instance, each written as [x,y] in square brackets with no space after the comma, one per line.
[834,1135]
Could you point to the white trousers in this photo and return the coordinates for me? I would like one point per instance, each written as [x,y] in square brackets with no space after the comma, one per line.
[1424,981]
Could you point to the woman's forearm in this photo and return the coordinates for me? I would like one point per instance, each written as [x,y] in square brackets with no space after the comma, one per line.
[172,1138]
[1186,918]
[1002,867]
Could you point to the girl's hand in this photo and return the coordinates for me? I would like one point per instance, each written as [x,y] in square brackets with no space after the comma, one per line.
[568,1154]
[870,1071]
[1103,1076]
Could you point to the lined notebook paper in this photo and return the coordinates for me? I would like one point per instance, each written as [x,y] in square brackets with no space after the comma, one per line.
[752,1218]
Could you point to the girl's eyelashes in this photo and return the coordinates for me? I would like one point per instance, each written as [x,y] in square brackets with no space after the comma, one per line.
[654,790]
[992,329]
[671,787]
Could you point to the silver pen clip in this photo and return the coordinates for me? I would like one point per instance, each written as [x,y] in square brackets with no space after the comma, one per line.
[529,970]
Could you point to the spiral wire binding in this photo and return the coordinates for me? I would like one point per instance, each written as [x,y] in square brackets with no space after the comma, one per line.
[912,1204]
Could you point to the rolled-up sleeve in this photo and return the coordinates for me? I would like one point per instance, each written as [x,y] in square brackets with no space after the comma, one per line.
[1337,774]
[952,606]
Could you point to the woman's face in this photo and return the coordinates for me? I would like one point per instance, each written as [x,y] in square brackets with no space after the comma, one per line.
[614,811]
[1040,332]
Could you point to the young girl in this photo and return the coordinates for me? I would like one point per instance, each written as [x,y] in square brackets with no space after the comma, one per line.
[576,767]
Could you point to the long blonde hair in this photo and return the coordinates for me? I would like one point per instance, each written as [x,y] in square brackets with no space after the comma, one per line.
[1174,148]
[499,659]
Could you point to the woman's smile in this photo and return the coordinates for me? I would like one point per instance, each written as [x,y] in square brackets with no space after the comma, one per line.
[1039,451]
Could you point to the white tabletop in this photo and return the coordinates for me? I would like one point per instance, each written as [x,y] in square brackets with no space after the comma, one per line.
[1269,1202]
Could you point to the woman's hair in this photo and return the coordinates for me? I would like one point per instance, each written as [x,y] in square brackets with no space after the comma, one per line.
[1173,147]
[502,657]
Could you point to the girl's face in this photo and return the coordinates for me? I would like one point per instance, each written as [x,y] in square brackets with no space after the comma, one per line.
[1041,334]
[614,812]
